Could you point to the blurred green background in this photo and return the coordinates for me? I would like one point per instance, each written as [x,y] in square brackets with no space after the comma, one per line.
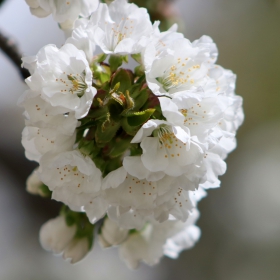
[240,222]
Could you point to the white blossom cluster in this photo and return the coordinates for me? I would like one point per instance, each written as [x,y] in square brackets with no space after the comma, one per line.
[133,149]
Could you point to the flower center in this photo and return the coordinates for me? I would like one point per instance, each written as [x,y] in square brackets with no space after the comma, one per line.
[119,31]
[78,85]
[178,75]
[195,114]
[165,135]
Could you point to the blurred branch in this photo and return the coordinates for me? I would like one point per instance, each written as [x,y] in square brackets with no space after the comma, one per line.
[1,2]
[9,48]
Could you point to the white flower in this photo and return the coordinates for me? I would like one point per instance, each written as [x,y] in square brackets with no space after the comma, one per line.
[186,236]
[199,113]
[180,67]
[93,203]
[38,141]
[120,28]
[55,235]
[62,11]
[132,200]
[71,174]
[80,38]
[128,218]
[222,81]
[29,62]
[158,42]
[170,149]
[156,239]
[41,114]
[133,193]
[176,202]
[63,78]
[111,234]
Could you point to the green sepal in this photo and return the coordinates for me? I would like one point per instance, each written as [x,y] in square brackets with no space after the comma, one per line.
[45,191]
[135,149]
[79,135]
[101,73]
[100,95]
[119,98]
[125,58]
[141,98]
[84,229]
[100,57]
[100,163]
[105,75]
[119,146]
[111,165]
[129,103]
[97,113]
[137,57]
[141,80]
[134,90]
[139,70]
[88,148]
[124,77]
[138,118]
[129,100]
[133,231]
[115,110]
[115,62]
[130,130]
[106,130]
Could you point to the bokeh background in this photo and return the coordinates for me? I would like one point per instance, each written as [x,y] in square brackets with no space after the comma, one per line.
[240,222]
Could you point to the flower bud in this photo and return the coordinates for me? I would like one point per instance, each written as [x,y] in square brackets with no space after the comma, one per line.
[111,234]
[55,235]
[35,186]
[76,249]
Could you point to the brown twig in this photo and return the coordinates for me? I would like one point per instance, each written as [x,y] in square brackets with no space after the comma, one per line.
[9,48]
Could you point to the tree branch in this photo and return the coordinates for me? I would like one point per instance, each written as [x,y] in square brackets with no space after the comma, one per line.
[9,48]
[1,2]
